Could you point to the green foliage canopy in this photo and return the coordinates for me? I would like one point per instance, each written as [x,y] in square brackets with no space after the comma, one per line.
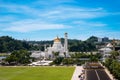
[19,57]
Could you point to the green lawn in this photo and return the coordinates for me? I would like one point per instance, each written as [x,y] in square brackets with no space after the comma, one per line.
[36,73]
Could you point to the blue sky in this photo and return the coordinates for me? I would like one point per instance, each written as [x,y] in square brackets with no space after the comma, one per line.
[45,19]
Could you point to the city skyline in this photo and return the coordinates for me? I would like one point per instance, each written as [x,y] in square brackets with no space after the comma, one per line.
[46,19]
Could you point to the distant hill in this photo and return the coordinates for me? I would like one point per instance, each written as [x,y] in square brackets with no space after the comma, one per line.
[8,44]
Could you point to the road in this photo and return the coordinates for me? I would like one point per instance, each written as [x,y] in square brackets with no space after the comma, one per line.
[96,74]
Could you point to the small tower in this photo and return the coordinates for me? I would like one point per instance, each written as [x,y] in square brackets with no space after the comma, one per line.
[66,44]
[113,42]
[45,51]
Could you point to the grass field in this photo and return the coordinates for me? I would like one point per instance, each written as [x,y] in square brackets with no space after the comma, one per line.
[36,73]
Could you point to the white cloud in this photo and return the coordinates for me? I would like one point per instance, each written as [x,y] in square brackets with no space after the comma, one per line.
[52,2]
[89,24]
[33,25]
[6,18]
[47,18]
[13,8]
[58,12]
[76,13]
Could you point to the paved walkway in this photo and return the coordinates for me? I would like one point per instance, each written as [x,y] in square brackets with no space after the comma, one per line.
[77,72]
[110,75]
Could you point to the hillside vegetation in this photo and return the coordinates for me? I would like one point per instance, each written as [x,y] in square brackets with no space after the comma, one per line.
[8,44]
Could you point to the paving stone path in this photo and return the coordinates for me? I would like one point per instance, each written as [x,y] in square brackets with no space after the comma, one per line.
[77,72]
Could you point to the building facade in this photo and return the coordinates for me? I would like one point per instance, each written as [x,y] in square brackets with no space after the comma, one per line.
[58,47]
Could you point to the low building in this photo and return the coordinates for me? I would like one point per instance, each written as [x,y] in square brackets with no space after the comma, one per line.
[37,54]
[105,51]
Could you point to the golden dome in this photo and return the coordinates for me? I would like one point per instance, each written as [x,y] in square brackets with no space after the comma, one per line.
[57,39]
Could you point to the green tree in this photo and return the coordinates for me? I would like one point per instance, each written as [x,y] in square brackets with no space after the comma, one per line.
[93,58]
[113,64]
[19,57]
[68,61]
[65,54]
[8,44]
[114,54]
[56,54]
[108,62]
[58,60]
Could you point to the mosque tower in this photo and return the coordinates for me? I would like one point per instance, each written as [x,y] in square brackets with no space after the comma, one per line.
[66,43]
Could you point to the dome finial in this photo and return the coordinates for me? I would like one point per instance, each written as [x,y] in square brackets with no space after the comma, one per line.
[57,39]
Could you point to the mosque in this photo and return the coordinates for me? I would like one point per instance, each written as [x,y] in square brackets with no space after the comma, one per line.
[57,47]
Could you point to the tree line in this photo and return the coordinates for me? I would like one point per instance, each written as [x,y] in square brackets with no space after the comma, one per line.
[19,57]
[113,64]
[75,58]
[8,44]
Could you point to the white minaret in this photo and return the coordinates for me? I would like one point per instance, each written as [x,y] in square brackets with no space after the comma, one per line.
[45,52]
[66,44]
